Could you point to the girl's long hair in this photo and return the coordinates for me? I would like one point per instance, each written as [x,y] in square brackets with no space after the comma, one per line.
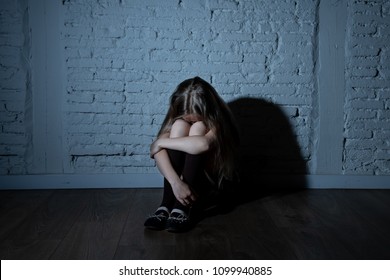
[196,96]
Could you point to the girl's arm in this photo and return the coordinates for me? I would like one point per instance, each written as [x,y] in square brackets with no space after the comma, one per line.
[180,189]
[190,144]
[163,162]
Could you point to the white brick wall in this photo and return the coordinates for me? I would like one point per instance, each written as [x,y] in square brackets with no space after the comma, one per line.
[367,122]
[13,79]
[122,60]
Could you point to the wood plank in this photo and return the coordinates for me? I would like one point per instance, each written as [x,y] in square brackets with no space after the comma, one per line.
[347,228]
[371,223]
[16,207]
[40,234]
[333,229]
[307,224]
[246,232]
[27,249]
[96,232]
[108,224]
[140,243]
[208,240]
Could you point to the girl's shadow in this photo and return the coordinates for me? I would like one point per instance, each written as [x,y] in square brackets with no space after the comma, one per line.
[270,159]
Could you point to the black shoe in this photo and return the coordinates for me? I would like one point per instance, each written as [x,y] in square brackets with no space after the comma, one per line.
[178,221]
[158,220]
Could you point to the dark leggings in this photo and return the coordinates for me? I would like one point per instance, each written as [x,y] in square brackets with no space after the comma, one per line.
[191,169]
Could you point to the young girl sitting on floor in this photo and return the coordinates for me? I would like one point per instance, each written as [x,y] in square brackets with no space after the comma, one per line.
[195,152]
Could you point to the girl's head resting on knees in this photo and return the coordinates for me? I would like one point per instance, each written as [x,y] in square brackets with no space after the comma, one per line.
[196,100]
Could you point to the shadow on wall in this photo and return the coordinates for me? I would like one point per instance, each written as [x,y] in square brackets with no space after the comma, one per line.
[270,157]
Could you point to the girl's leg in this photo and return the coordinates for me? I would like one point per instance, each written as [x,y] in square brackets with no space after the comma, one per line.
[159,219]
[179,129]
[194,164]
[193,167]
[194,176]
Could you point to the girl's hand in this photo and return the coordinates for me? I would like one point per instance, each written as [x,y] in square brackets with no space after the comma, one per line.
[155,148]
[183,193]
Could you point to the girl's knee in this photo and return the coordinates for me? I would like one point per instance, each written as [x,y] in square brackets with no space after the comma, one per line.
[198,128]
[180,128]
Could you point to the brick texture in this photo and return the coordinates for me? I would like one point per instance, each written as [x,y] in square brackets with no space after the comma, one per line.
[367,122]
[124,58]
[14,73]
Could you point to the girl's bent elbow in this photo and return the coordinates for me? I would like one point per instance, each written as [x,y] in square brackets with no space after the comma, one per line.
[204,146]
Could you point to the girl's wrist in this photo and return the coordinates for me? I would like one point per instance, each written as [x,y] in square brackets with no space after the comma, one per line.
[175,183]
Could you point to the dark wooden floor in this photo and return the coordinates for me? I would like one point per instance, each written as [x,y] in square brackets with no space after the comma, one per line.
[108,224]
